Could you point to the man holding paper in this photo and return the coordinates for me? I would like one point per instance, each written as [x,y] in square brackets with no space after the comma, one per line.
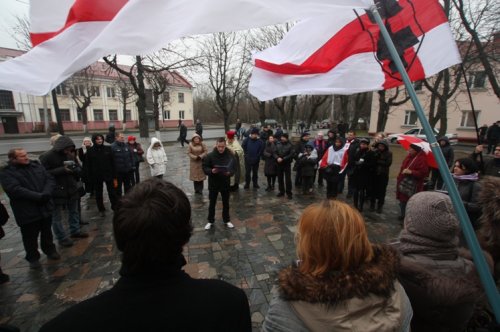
[219,165]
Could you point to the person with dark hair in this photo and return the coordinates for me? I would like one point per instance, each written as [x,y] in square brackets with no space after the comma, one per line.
[449,156]
[308,162]
[183,133]
[111,135]
[300,148]
[351,146]
[278,132]
[219,167]
[482,133]
[124,164]
[137,155]
[489,167]
[493,136]
[320,145]
[151,226]
[101,167]
[439,277]
[331,166]
[29,187]
[380,175]
[270,164]
[284,153]
[197,152]
[342,129]
[198,128]
[340,281]
[265,133]
[237,128]
[364,163]
[61,163]
[253,148]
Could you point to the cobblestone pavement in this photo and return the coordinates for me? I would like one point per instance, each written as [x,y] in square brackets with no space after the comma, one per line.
[248,256]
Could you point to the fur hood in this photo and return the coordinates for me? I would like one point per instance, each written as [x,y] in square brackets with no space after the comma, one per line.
[376,277]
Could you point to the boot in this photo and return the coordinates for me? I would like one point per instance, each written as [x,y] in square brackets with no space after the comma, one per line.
[379,208]
[372,206]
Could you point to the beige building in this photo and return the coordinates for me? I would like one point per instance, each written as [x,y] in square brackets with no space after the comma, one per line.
[23,113]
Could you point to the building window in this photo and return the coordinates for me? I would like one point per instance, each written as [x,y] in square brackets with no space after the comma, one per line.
[6,100]
[181,115]
[79,90]
[467,119]
[79,116]
[96,91]
[477,79]
[110,92]
[64,114]
[61,90]
[166,97]
[181,97]
[113,115]
[166,115]
[128,115]
[98,116]
[418,85]
[410,118]
[42,116]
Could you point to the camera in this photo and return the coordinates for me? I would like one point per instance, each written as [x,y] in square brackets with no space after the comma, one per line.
[69,164]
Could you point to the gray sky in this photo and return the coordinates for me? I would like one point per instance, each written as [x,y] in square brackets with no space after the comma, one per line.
[9,10]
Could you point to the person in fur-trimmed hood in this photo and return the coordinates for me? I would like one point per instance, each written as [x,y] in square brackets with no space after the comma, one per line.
[341,281]
[438,276]
[489,230]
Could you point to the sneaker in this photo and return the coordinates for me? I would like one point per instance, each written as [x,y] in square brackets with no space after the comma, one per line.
[4,278]
[66,243]
[229,224]
[54,256]
[80,235]
[208,226]
[35,265]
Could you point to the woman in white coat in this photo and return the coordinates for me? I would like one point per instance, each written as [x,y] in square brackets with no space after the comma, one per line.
[157,158]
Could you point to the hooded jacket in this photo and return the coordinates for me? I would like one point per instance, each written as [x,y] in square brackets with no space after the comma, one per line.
[383,159]
[66,181]
[157,158]
[100,161]
[447,150]
[366,299]
[124,162]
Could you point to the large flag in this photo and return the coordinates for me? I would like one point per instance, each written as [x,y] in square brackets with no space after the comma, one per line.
[346,54]
[69,35]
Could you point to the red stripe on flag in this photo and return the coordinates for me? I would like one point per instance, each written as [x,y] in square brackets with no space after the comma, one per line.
[84,11]
[354,38]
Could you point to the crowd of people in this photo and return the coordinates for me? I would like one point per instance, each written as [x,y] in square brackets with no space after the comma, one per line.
[424,282]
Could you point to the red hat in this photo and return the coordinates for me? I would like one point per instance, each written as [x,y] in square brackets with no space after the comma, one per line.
[230,134]
[131,138]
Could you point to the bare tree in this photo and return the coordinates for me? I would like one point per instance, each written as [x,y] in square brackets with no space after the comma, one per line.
[125,93]
[315,102]
[224,59]
[81,90]
[20,32]
[386,102]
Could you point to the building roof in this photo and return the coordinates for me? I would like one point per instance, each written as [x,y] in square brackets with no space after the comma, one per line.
[103,71]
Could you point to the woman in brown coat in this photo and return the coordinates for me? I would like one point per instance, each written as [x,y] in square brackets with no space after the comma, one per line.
[197,151]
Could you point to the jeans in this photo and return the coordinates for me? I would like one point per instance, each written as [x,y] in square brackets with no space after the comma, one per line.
[29,233]
[285,178]
[212,195]
[73,219]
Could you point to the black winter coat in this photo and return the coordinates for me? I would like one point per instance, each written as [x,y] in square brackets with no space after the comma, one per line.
[219,181]
[363,163]
[308,165]
[100,163]
[25,185]
[383,161]
[270,156]
[285,151]
[173,302]
[66,182]
[124,162]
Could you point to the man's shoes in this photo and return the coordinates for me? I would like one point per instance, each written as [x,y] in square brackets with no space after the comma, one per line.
[247,186]
[4,278]
[66,243]
[35,265]
[84,222]
[208,226]
[229,224]
[256,186]
[280,195]
[80,235]
[54,256]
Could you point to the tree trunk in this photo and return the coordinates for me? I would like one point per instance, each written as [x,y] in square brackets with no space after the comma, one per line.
[291,106]
[383,111]
[141,99]
[58,112]
[83,112]
[156,111]
[262,112]
[226,121]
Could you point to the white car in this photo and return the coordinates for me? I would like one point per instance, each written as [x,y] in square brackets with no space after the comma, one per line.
[419,132]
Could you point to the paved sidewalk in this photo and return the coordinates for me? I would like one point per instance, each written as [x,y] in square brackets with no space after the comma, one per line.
[248,256]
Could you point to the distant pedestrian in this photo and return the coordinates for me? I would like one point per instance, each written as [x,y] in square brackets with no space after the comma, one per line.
[124,164]
[82,156]
[342,129]
[308,163]
[253,147]
[278,132]
[265,133]
[321,145]
[490,167]
[449,156]
[183,133]
[300,148]
[237,128]
[197,152]
[284,153]
[331,166]
[111,135]
[351,145]
[157,158]
[30,187]
[270,163]
[239,155]
[137,156]
[364,163]
[380,178]
[482,133]
[151,227]
[219,167]
[199,128]
[493,136]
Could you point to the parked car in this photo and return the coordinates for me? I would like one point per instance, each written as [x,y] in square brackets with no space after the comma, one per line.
[419,132]
[268,122]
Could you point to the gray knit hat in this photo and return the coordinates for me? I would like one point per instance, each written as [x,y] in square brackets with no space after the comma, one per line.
[431,215]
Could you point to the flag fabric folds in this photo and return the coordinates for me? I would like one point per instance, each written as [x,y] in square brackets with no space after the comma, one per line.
[69,35]
[346,54]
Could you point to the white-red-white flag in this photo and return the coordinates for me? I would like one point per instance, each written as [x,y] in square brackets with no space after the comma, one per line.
[69,35]
[346,54]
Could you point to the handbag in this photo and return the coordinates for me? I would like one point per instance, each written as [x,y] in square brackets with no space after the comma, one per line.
[408,186]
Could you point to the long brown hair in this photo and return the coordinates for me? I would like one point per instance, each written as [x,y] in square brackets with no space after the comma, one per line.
[331,237]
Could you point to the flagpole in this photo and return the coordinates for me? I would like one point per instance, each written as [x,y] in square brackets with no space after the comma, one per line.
[468,231]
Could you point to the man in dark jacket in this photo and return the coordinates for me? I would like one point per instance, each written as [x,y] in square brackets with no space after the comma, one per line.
[198,128]
[380,175]
[124,164]
[320,145]
[61,162]
[493,136]
[219,166]
[101,168]
[351,146]
[151,226]
[111,135]
[183,131]
[285,153]
[253,148]
[30,188]
[300,148]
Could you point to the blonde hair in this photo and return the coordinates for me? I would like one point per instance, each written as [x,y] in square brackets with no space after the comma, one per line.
[54,138]
[331,237]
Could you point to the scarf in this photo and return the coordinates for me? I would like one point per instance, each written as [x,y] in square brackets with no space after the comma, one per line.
[412,244]
[466,177]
